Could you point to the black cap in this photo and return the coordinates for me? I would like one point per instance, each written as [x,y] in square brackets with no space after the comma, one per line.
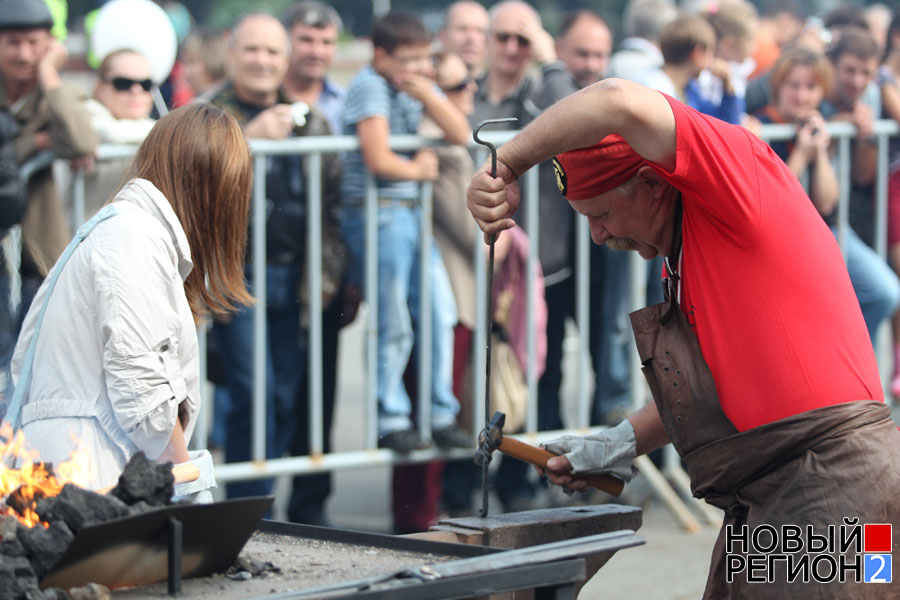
[24,14]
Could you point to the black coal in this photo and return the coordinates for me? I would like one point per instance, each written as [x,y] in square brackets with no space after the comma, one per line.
[29,553]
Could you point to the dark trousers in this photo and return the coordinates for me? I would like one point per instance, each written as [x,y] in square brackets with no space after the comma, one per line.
[285,360]
[310,492]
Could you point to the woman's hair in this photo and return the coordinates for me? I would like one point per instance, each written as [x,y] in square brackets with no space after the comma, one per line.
[198,158]
[800,56]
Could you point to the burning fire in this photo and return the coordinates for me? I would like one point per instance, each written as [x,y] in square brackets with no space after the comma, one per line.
[31,479]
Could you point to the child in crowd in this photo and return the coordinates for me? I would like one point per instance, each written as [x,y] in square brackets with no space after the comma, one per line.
[688,44]
[389,98]
[735,24]
[203,57]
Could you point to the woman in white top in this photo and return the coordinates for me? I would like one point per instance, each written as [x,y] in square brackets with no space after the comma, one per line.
[116,362]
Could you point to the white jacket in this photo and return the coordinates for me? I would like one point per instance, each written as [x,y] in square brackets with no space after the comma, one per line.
[117,352]
[111,130]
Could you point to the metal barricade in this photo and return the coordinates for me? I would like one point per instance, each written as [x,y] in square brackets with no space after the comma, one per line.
[313,148]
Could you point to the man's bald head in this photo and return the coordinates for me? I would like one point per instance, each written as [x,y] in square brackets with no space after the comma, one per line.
[258,56]
[585,44]
[465,33]
[509,51]
[253,22]
[514,8]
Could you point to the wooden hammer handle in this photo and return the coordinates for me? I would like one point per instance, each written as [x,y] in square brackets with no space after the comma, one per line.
[540,456]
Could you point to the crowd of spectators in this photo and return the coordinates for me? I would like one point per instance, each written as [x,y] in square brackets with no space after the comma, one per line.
[747,67]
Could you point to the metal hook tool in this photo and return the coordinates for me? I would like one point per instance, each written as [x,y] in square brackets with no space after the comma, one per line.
[483,450]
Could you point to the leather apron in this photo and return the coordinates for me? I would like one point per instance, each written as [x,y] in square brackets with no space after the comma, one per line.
[807,469]
[679,378]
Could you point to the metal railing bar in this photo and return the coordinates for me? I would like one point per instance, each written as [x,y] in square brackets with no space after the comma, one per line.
[881,202]
[532,181]
[371,295]
[583,318]
[260,343]
[353,459]
[348,143]
[77,197]
[843,209]
[424,333]
[314,275]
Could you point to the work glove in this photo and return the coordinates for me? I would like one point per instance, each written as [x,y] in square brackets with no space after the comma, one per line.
[609,451]
[198,491]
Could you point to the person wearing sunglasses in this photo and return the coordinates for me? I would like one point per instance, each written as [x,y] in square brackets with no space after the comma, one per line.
[119,114]
[516,39]
[120,108]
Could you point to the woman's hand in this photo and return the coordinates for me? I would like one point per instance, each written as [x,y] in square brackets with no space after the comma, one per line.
[813,136]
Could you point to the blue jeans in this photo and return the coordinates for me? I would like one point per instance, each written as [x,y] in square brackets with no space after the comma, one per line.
[874,282]
[399,231]
[285,365]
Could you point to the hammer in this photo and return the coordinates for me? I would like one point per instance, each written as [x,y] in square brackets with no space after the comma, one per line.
[492,438]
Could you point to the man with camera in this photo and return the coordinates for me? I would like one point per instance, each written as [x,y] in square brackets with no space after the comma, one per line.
[258,61]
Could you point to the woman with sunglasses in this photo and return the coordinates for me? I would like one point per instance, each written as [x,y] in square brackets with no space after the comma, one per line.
[108,358]
[120,108]
[120,114]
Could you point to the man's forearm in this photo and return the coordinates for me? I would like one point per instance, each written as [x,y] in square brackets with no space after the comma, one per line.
[640,115]
[449,118]
[865,161]
[649,432]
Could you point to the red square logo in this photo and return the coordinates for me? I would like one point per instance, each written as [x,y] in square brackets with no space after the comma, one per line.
[877,537]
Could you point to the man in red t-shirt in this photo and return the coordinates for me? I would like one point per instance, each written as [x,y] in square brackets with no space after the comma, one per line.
[759,361]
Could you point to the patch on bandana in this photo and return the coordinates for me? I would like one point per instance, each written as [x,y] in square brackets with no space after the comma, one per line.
[561,182]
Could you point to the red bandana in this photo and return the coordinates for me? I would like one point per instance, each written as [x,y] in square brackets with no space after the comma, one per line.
[592,171]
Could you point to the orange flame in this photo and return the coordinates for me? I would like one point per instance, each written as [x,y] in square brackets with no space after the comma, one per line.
[31,480]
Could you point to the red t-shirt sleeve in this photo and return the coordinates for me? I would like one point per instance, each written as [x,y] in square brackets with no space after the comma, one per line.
[709,150]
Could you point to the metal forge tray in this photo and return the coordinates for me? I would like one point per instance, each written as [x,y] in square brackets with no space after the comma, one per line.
[318,562]
[137,549]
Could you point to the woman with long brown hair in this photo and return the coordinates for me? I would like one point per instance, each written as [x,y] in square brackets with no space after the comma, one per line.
[108,356]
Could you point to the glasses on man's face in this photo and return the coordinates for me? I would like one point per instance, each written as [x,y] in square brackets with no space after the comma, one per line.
[123,84]
[521,40]
[462,85]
